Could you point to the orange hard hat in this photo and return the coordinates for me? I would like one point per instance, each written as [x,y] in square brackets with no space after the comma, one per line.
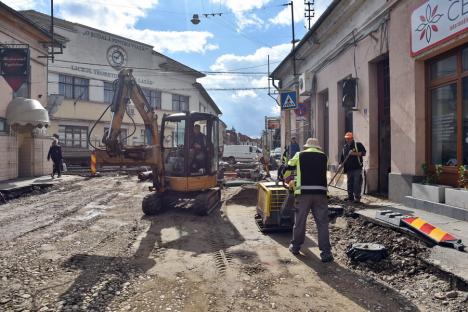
[348,135]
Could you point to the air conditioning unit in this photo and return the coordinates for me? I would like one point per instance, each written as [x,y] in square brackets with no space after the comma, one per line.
[350,93]
[305,84]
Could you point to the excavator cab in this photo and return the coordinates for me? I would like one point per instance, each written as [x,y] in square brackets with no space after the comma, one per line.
[190,144]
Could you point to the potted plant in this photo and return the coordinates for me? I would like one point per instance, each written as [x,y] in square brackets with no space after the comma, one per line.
[429,190]
[458,197]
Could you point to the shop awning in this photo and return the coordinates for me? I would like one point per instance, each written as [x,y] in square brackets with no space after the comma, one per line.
[22,111]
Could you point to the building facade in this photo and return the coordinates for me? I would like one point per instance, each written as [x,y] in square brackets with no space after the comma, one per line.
[401,66]
[23,88]
[81,85]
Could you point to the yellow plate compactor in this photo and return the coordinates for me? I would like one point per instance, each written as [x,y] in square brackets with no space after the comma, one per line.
[275,207]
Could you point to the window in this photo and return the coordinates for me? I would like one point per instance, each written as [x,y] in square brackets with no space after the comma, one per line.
[73,136]
[153,97]
[108,92]
[180,103]
[448,109]
[202,108]
[74,87]
[3,125]
[444,125]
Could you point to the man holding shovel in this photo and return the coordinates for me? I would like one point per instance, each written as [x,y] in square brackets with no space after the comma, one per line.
[352,162]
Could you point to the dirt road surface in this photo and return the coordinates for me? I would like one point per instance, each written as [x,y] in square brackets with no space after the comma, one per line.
[86,246]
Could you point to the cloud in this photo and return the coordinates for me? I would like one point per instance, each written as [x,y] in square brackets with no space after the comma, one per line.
[238,95]
[23,4]
[245,109]
[120,17]
[242,11]
[259,57]
[175,41]
[283,18]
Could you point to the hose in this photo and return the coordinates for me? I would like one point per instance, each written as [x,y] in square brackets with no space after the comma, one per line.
[92,128]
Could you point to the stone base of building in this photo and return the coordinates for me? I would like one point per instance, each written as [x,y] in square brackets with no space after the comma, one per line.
[438,208]
[399,186]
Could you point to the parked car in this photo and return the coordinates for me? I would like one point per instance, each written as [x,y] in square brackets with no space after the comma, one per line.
[243,153]
[276,153]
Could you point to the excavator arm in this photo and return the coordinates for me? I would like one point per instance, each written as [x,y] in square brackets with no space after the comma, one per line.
[115,152]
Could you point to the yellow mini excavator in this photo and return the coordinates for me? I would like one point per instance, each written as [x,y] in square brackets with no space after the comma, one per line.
[183,154]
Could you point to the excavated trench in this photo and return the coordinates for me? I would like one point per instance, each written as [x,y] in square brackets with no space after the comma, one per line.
[406,269]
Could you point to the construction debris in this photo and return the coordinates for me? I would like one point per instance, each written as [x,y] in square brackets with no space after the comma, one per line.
[367,252]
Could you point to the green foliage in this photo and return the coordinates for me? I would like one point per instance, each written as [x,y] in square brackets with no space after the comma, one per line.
[462,183]
[428,177]
[431,177]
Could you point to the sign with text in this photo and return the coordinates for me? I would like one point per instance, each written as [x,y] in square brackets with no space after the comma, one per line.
[14,66]
[437,21]
[288,100]
[273,123]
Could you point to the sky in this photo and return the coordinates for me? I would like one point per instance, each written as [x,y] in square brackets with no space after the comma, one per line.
[240,39]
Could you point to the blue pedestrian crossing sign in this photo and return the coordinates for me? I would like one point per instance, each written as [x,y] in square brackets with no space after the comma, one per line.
[288,100]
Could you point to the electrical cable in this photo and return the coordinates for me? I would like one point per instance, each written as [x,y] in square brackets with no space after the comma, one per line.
[354,54]
[165,71]
[191,89]
[94,125]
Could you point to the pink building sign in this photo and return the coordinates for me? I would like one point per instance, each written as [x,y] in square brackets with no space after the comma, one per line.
[437,21]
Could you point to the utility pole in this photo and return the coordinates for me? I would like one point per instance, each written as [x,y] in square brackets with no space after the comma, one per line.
[309,12]
[52,28]
[293,38]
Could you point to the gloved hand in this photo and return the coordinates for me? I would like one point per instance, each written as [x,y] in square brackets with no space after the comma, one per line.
[291,184]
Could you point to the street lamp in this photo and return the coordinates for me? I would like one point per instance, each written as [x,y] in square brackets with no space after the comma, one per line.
[195,19]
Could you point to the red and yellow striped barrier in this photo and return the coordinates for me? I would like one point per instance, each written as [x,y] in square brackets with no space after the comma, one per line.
[432,232]
[93,163]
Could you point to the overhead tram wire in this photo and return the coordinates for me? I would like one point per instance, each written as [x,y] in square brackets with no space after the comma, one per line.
[190,89]
[167,71]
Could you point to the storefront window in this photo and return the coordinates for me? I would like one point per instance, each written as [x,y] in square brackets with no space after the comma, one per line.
[448,112]
[444,125]
[444,67]
[465,121]
[465,59]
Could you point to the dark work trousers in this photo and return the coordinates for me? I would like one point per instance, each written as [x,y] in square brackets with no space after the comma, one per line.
[319,206]
[57,168]
[354,183]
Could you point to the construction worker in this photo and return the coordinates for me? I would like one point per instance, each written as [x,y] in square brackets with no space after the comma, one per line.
[310,189]
[265,161]
[352,161]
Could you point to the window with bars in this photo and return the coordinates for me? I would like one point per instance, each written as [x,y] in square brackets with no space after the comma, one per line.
[108,92]
[153,97]
[73,87]
[180,103]
[73,136]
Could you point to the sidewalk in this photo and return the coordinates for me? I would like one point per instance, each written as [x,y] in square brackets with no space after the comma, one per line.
[446,259]
[22,183]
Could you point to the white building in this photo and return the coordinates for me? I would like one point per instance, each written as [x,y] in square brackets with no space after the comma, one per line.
[84,74]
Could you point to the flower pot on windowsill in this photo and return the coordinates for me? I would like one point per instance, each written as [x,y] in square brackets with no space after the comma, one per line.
[457,197]
[429,192]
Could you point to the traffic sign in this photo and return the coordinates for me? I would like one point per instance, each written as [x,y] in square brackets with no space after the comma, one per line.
[288,99]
